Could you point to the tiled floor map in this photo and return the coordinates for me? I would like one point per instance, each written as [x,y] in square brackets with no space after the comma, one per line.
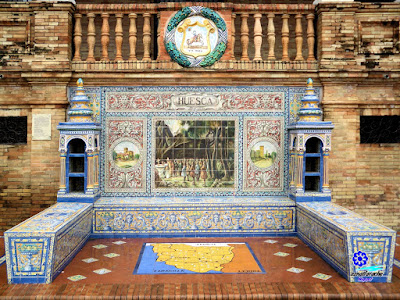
[190,258]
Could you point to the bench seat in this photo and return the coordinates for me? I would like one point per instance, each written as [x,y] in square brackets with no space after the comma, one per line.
[359,249]
[39,248]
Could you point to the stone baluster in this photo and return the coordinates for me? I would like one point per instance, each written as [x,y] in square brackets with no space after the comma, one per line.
[105,37]
[146,37]
[310,37]
[285,37]
[257,37]
[233,37]
[77,37]
[118,37]
[299,37]
[271,37]
[244,37]
[132,36]
[91,37]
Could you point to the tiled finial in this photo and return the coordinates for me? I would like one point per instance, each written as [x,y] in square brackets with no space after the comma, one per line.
[80,90]
[80,112]
[310,111]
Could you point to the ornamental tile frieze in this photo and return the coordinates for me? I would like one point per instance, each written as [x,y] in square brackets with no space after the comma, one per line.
[157,101]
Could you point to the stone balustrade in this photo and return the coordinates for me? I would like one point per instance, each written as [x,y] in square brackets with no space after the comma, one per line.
[130,36]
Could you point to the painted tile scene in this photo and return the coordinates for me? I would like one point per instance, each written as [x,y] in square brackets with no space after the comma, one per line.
[195,154]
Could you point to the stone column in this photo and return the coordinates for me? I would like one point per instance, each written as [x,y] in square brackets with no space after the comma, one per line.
[233,37]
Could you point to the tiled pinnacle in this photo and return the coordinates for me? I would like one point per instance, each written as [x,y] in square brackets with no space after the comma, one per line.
[310,111]
[80,111]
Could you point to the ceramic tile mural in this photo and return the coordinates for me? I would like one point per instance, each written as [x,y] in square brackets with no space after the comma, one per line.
[263,154]
[125,157]
[196,154]
[155,104]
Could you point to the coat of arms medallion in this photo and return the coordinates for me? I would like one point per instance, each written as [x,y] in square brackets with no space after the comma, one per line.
[196,37]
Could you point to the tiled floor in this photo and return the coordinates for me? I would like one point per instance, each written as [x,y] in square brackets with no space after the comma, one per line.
[276,282]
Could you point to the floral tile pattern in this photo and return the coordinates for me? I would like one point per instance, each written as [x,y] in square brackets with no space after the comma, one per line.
[76,277]
[295,270]
[89,260]
[101,271]
[322,276]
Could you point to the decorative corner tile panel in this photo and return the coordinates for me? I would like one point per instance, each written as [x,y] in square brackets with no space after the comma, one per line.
[263,157]
[125,154]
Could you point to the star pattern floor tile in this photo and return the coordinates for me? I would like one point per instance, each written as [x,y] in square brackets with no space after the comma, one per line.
[111,255]
[89,260]
[322,276]
[295,270]
[290,245]
[99,246]
[102,271]
[303,258]
[119,243]
[270,241]
[281,254]
[76,278]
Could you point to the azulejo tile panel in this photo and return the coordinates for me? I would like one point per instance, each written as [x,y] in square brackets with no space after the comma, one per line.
[263,154]
[194,154]
[37,249]
[125,157]
[151,103]
[193,218]
[369,246]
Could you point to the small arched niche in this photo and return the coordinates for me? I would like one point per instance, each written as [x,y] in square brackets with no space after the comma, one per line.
[313,165]
[76,166]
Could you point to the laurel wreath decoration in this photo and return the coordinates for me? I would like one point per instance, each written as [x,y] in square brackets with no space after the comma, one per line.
[191,62]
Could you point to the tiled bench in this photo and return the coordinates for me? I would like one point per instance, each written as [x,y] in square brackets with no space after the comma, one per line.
[359,249]
[193,216]
[38,249]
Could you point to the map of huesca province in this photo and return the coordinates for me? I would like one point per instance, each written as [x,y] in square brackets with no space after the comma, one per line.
[207,257]
[195,258]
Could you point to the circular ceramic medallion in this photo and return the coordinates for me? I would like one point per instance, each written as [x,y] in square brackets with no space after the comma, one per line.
[263,153]
[125,155]
[196,37]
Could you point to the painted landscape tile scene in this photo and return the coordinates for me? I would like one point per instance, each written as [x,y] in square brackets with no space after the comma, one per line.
[194,154]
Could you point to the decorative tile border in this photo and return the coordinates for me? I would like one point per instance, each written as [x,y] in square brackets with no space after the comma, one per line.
[193,219]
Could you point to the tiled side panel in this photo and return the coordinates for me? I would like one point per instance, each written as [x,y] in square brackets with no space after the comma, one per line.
[379,255]
[192,221]
[28,258]
[71,240]
[327,241]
